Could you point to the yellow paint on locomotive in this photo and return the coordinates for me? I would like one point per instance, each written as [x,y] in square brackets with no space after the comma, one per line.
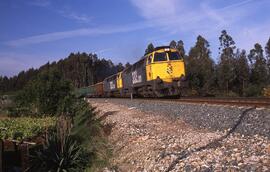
[119,81]
[165,70]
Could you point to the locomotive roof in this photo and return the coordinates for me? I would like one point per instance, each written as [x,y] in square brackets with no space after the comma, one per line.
[161,47]
[141,59]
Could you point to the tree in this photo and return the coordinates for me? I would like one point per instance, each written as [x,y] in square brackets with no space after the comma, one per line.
[242,72]
[44,94]
[200,66]
[173,44]
[180,48]
[1,85]
[127,65]
[119,67]
[258,67]
[226,71]
[150,48]
[267,52]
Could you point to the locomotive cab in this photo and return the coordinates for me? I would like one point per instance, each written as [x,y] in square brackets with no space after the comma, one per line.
[165,64]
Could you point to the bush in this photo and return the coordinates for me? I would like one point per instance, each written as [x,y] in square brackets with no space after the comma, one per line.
[253,91]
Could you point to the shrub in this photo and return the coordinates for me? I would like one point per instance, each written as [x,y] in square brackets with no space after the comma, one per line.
[253,90]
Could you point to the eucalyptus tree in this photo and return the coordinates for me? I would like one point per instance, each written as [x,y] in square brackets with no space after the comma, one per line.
[200,66]
[225,67]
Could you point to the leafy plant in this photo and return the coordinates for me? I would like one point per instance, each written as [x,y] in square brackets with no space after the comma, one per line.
[24,127]
[60,155]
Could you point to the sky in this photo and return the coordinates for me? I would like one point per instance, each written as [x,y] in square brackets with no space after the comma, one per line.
[33,32]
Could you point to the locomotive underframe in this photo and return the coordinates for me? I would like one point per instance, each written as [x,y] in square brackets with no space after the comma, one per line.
[154,88]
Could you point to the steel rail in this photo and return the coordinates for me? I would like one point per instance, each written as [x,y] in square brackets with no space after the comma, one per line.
[258,102]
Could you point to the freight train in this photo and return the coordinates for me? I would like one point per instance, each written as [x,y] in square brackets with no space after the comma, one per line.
[160,73]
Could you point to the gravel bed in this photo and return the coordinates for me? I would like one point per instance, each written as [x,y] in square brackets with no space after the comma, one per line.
[203,116]
[147,141]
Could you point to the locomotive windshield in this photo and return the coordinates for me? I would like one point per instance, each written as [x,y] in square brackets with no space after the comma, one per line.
[160,57]
[174,56]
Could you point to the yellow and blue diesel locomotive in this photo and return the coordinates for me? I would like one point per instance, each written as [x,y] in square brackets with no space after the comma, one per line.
[160,73]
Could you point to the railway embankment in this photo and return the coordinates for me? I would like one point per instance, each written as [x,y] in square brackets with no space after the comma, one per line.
[206,116]
[150,135]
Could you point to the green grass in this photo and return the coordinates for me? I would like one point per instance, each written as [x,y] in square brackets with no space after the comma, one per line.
[24,127]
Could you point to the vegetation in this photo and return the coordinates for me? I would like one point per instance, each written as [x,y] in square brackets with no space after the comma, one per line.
[200,74]
[236,73]
[44,98]
[80,69]
[87,130]
[60,155]
[25,127]
[150,48]
[76,144]
[75,139]
[43,95]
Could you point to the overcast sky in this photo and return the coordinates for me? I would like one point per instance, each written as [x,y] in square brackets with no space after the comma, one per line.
[33,32]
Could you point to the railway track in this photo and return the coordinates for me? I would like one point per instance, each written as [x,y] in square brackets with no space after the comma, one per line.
[257,102]
[239,101]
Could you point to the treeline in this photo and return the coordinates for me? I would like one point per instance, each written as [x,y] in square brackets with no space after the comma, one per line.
[81,69]
[236,73]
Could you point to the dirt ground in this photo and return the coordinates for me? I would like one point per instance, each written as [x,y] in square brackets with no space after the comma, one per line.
[149,142]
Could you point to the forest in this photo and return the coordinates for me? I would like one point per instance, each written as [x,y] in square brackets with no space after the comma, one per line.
[81,69]
[235,72]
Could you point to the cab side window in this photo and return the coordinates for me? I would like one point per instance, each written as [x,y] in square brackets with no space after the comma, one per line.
[149,59]
[160,57]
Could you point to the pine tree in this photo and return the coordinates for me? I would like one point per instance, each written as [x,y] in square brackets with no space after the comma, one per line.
[180,48]
[226,71]
[119,67]
[173,44]
[150,48]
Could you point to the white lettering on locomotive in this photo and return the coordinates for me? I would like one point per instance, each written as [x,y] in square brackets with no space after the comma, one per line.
[136,78]
[112,85]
